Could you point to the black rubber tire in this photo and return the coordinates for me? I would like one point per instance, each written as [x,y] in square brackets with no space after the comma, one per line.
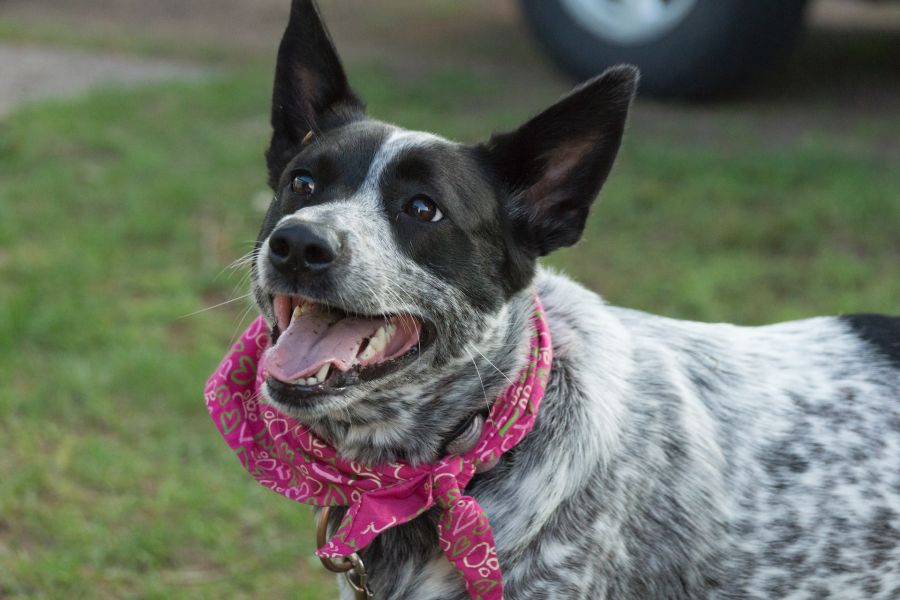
[718,46]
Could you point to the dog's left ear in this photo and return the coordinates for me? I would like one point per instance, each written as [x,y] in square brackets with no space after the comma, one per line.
[311,88]
[555,164]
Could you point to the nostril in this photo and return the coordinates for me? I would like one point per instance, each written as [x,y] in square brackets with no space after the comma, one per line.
[280,247]
[309,247]
[318,255]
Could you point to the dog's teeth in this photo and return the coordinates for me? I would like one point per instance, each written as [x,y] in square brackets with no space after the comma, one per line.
[318,378]
[376,344]
[378,338]
[298,312]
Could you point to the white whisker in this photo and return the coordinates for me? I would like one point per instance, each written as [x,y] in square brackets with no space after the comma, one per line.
[487,402]
[202,310]
[492,364]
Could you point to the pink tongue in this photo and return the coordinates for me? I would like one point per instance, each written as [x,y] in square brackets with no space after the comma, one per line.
[317,338]
[313,340]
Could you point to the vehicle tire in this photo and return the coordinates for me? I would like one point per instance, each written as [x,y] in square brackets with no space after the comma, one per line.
[684,48]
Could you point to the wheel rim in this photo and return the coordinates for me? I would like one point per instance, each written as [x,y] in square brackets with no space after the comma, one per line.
[629,21]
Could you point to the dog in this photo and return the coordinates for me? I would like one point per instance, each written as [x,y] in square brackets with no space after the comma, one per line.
[669,459]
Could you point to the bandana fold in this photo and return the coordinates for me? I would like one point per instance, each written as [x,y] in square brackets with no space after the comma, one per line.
[286,457]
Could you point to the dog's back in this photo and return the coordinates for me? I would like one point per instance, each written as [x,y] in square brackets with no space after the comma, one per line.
[760,461]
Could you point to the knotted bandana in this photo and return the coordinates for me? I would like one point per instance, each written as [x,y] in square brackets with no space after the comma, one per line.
[287,457]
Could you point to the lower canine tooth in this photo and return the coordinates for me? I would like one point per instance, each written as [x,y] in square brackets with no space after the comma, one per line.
[323,372]
[298,312]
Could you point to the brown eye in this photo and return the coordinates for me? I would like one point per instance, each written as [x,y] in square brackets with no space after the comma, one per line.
[303,184]
[423,208]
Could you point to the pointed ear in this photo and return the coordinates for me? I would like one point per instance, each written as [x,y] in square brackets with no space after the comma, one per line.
[311,88]
[554,165]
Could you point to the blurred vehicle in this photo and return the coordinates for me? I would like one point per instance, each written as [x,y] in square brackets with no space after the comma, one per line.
[685,48]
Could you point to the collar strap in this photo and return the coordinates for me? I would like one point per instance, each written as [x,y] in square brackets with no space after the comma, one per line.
[285,456]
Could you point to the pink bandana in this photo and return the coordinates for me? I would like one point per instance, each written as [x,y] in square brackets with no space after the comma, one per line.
[287,457]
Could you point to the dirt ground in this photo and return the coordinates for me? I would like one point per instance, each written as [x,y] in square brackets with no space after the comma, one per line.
[846,67]
[253,25]
[31,73]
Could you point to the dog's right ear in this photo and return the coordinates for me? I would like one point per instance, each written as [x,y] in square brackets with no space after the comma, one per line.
[311,88]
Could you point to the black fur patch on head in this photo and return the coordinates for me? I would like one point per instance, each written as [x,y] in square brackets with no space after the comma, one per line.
[880,331]
[466,248]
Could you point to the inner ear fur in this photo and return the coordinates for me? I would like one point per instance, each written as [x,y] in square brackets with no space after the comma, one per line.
[553,166]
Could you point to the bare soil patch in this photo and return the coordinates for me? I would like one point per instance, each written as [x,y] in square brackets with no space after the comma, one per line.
[33,73]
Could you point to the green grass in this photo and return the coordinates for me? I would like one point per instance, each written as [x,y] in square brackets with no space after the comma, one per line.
[752,237]
[121,212]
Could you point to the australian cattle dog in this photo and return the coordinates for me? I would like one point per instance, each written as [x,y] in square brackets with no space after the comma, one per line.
[396,271]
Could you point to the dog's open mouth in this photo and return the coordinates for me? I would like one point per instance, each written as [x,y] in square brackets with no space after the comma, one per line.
[319,348]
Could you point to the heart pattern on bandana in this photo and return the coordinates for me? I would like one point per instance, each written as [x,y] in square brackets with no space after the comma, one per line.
[229,420]
[286,457]
[246,371]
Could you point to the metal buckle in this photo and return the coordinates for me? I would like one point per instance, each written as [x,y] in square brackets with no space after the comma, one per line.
[351,566]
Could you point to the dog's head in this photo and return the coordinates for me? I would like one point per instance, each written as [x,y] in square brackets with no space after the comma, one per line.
[386,251]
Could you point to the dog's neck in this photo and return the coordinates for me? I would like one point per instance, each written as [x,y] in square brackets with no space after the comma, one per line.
[415,420]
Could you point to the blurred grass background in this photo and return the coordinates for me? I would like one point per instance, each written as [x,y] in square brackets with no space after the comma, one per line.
[121,211]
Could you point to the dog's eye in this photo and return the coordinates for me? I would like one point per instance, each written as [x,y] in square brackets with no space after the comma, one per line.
[423,208]
[303,184]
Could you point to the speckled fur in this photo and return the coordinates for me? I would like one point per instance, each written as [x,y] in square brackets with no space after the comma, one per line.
[670,460]
[684,460]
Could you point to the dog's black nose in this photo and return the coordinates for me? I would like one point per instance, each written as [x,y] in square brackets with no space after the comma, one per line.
[309,247]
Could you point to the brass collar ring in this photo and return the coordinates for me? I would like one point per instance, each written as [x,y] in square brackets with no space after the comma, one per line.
[351,566]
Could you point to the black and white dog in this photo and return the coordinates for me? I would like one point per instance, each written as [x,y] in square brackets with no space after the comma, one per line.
[670,459]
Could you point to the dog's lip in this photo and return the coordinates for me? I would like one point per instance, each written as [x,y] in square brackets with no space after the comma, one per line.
[337,381]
